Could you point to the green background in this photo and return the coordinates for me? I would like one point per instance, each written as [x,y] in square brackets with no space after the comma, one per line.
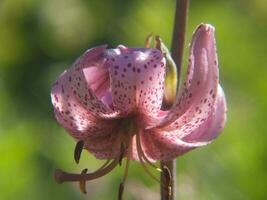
[39,39]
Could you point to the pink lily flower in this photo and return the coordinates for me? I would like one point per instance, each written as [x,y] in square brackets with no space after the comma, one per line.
[111,100]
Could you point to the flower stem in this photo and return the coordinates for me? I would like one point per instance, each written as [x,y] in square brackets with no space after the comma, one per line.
[178,41]
[178,38]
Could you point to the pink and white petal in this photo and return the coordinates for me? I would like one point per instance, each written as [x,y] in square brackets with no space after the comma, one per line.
[170,147]
[137,80]
[200,88]
[71,114]
[212,127]
[152,151]
[80,73]
[68,110]
[97,79]
[189,137]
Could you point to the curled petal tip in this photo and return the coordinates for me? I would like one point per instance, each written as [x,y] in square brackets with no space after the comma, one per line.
[93,53]
[58,175]
[208,28]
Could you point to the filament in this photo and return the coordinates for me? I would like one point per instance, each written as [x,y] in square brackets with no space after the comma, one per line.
[62,176]
[104,165]
[141,158]
[144,156]
[121,188]
[148,40]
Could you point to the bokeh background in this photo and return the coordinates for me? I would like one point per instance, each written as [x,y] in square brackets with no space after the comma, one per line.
[40,38]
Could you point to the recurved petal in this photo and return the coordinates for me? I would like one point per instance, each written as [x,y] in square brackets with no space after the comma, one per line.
[89,80]
[166,145]
[197,98]
[68,111]
[212,127]
[137,80]
[162,146]
[71,114]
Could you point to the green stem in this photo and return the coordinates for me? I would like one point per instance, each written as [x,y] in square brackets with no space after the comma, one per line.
[178,41]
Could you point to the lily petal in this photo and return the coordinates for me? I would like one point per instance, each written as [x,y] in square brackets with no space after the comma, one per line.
[88,92]
[198,96]
[68,110]
[137,80]
[212,127]
[168,145]
[71,114]
[164,146]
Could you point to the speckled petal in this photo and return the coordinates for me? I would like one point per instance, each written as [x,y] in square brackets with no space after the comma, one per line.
[197,99]
[137,80]
[177,142]
[163,146]
[71,114]
[84,86]
[212,127]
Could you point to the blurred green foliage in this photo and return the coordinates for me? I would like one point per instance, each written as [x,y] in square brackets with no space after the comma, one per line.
[39,39]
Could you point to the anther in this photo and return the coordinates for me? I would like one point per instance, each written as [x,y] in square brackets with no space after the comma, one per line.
[83,183]
[78,150]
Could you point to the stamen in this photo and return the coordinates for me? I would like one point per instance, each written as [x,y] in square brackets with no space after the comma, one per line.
[83,183]
[148,40]
[145,158]
[141,158]
[123,148]
[166,171]
[121,188]
[62,176]
[157,42]
[78,150]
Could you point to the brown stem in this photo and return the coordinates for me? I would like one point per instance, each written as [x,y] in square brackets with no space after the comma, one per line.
[164,192]
[177,55]
[179,30]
